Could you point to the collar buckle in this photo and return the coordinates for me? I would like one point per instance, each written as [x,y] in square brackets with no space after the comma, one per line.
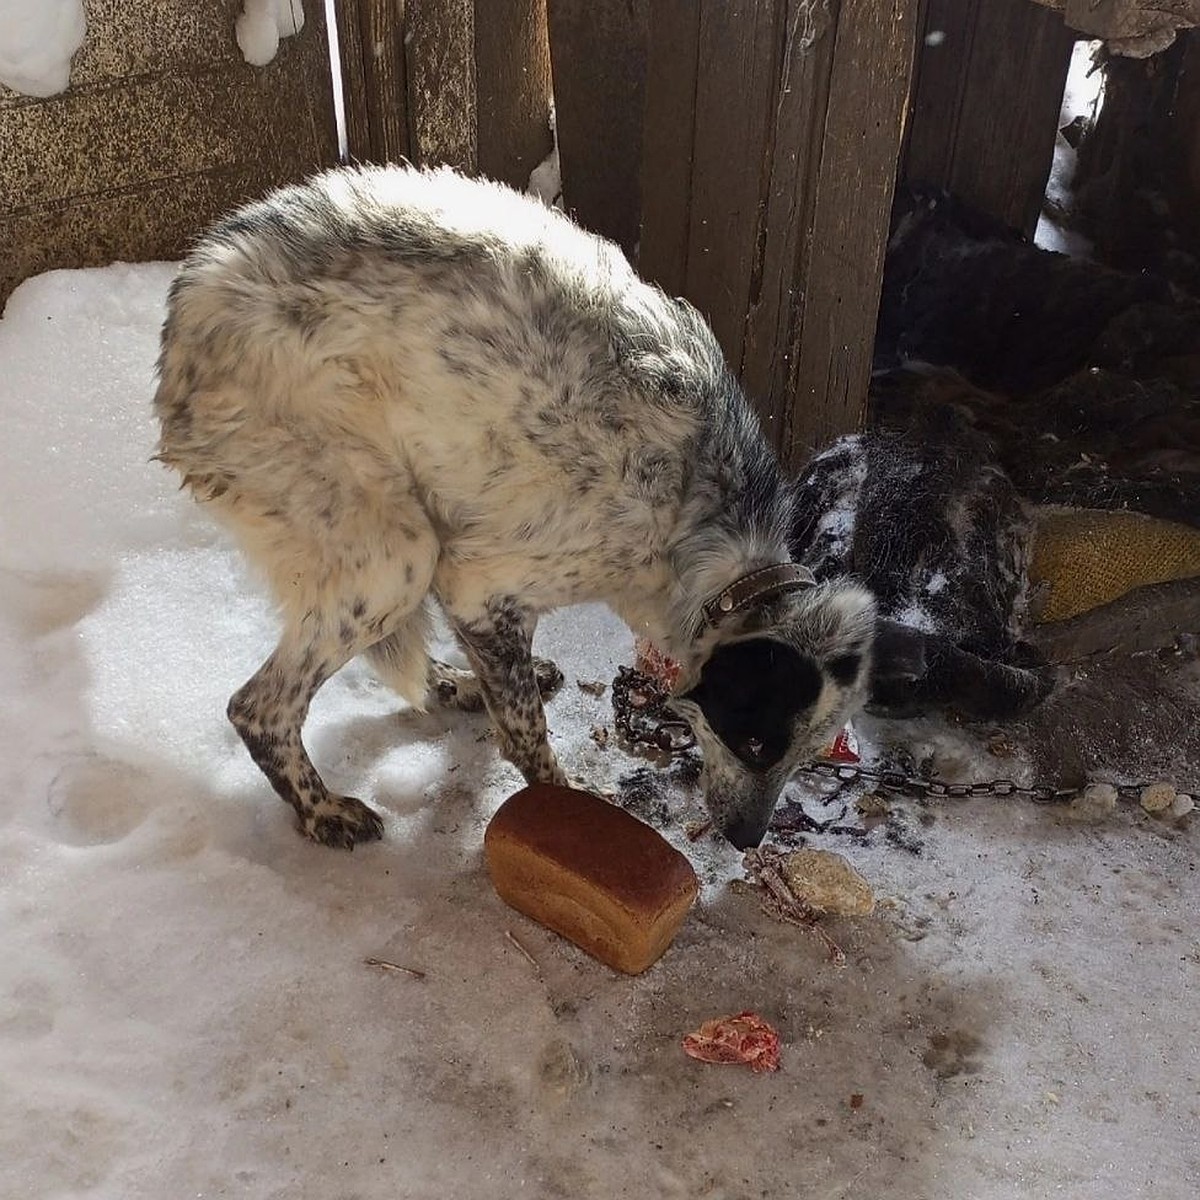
[780,577]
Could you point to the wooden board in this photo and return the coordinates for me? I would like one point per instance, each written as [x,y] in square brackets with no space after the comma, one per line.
[439,44]
[464,82]
[512,81]
[986,100]
[772,132]
[668,140]
[165,126]
[374,84]
[737,88]
[862,135]
[598,54]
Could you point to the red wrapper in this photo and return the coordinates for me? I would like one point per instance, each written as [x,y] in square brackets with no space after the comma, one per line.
[744,1038]
[843,748]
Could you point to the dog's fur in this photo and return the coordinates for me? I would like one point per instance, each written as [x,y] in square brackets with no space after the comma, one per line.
[399,387]
[919,509]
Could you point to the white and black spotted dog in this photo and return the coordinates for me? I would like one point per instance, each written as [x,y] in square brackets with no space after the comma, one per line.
[401,387]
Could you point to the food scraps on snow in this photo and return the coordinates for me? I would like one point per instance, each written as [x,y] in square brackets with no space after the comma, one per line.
[811,881]
[742,1038]
[802,886]
[827,882]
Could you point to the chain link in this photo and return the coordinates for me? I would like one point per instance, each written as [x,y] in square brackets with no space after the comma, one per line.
[923,789]
[640,713]
[641,716]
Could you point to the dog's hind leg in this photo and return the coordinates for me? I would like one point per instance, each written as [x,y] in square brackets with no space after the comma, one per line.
[401,661]
[268,711]
[338,618]
[498,645]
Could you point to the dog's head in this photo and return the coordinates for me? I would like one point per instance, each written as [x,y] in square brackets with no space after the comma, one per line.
[776,687]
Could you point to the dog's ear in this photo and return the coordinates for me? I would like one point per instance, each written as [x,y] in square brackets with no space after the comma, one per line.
[841,631]
[750,692]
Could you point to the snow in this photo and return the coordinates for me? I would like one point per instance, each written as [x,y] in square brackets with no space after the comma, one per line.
[545,180]
[184,1004]
[1082,97]
[37,41]
[262,23]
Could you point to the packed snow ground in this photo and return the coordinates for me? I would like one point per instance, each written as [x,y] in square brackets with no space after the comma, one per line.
[184,1005]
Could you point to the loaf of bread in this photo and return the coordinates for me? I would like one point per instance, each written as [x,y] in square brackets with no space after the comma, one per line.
[591,872]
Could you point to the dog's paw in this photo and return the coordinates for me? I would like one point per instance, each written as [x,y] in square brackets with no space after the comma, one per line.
[583,785]
[341,822]
[549,677]
[458,689]
[455,688]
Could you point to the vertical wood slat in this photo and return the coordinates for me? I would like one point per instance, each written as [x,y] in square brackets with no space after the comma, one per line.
[738,48]
[465,82]
[862,135]
[783,190]
[673,51]
[371,49]
[439,43]
[598,57]
[777,302]
[512,68]
[987,95]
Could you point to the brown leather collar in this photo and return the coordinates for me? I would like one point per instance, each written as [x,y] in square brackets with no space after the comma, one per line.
[781,577]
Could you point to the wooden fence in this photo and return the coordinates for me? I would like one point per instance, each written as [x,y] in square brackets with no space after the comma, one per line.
[743,152]
[165,126]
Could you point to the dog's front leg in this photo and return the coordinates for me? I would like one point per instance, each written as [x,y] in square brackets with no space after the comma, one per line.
[498,643]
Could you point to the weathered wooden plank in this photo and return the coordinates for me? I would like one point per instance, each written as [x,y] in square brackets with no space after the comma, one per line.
[863,128]
[352,43]
[153,36]
[512,83]
[986,101]
[154,220]
[439,43]
[777,297]
[134,167]
[598,53]
[945,37]
[371,48]
[773,213]
[1010,110]
[668,141]
[735,100]
[163,130]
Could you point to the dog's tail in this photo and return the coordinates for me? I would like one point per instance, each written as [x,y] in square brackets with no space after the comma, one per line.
[401,659]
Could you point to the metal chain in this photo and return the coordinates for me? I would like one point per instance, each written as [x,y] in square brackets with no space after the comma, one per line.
[922,788]
[640,713]
[641,716]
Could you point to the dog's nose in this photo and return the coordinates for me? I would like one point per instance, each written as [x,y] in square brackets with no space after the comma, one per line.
[746,834]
